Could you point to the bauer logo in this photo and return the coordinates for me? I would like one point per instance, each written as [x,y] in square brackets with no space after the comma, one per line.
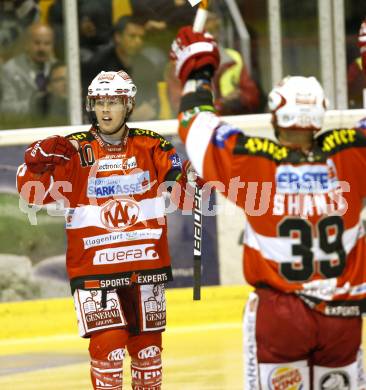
[119,214]
[285,378]
[125,254]
[104,187]
[306,178]
[108,165]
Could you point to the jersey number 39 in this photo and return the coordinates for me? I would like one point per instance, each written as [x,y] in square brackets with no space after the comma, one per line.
[328,243]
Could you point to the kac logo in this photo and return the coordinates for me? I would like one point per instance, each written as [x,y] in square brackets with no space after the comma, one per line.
[119,214]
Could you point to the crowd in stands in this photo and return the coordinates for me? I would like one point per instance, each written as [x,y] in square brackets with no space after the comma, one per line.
[133,35]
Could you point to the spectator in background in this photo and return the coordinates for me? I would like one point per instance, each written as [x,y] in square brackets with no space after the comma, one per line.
[15,17]
[51,107]
[95,26]
[162,14]
[356,75]
[125,54]
[234,90]
[356,82]
[25,75]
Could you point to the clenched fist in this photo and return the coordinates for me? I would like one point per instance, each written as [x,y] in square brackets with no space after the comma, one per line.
[192,51]
[45,154]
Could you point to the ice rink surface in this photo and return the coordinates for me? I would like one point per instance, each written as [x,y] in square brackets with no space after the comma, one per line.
[202,344]
[40,348]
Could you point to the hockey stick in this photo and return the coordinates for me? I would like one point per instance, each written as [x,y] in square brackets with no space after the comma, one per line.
[198,25]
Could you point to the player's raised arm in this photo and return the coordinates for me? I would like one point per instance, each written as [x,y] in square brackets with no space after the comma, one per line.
[207,139]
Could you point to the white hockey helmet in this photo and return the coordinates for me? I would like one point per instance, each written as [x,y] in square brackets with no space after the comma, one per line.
[112,84]
[298,102]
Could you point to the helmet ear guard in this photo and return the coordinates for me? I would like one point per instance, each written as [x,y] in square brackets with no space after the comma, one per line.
[298,103]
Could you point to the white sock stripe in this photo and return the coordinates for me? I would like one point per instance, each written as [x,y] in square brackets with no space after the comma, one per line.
[112,370]
[146,368]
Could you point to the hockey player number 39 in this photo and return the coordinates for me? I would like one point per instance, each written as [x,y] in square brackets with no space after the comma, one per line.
[329,243]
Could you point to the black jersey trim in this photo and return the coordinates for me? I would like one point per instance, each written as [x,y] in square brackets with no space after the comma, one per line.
[164,143]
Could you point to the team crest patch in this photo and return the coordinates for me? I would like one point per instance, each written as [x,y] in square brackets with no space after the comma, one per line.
[222,133]
[176,161]
[288,378]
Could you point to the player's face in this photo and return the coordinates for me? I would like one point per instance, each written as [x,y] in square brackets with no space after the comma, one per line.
[110,112]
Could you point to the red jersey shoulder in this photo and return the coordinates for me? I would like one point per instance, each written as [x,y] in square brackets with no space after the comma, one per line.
[149,137]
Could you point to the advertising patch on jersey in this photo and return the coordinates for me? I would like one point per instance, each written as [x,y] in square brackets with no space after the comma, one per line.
[222,133]
[176,161]
[117,185]
[306,179]
[118,237]
[109,165]
[154,307]
[288,378]
[125,254]
[335,380]
[92,316]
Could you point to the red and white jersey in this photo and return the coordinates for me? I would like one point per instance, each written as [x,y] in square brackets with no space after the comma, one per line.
[115,221]
[303,232]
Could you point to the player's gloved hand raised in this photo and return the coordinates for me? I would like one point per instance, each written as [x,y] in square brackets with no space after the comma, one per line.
[193,51]
[362,43]
[45,154]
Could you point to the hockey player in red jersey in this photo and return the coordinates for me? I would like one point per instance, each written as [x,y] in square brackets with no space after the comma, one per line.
[111,179]
[304,243]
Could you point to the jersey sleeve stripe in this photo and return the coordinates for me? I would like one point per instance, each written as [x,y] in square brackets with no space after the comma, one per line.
[199,137]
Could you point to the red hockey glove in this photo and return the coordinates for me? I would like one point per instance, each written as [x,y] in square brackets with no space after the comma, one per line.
[45,154]
[362,44]
[193,51]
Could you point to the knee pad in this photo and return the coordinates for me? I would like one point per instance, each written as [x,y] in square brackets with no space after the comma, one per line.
[336,378]
[294,375]
[107,353]
[146,368]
